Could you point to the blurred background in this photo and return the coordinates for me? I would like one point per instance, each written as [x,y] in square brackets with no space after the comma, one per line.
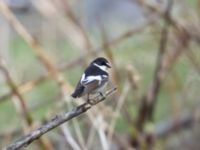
[153,46]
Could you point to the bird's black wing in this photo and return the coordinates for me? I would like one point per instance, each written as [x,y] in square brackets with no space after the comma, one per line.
[94,84]
[78,90]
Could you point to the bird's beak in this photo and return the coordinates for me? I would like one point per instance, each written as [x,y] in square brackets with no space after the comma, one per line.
[108,65]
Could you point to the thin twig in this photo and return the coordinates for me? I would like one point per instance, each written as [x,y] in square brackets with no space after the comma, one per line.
[74,19]
[23,107]
[174,22]
[27,37]
[192,58]
[23,110]
[56,121]
[108,52]
[101,131]
[120,103]
[69,138]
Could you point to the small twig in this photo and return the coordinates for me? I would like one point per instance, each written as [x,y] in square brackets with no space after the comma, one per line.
[193,60]
[13,87]
[116,114]
[101,132]
[76,21]
[23,110]
[23,32]
[109,54]
[69,138]
[174,22]
[56,121]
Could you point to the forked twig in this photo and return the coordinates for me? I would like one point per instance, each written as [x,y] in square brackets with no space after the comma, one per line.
[56,121]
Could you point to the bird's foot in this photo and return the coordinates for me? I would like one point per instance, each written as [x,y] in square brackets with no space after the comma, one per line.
[102,95]
[90,101]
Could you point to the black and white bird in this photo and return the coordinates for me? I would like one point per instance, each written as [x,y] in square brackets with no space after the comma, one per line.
[94,79]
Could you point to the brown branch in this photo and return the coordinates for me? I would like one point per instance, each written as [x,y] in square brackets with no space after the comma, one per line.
[25,87]
[150,98]
[24,112]
[56,121]
[193,59]
[174,22]
[179,42]
[111,42]
[27,37]
[108,52]
[75,20]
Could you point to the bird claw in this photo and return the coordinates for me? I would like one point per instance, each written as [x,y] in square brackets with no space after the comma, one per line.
[90,101]
[102,95]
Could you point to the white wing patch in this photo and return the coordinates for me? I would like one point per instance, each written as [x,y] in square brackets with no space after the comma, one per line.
[92,78]
[104,68]
[82,78]
[104,76]
[86,80]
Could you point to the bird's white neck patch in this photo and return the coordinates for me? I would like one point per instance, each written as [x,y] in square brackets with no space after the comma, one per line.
[104,68]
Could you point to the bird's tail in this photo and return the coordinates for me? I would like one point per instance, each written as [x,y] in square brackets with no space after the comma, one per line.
[78,92]
[74,95]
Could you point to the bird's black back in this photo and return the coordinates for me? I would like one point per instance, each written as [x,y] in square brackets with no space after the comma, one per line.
[93,70]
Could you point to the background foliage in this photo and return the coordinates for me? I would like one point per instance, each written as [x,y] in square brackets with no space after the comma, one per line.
[154,50]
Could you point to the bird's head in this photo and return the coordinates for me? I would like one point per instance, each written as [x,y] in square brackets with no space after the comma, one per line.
[102,63]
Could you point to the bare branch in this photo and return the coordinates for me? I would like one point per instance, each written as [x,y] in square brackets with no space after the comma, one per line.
[56,121]
[22,110]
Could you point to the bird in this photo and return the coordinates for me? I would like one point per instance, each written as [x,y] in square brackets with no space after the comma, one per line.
[94,79]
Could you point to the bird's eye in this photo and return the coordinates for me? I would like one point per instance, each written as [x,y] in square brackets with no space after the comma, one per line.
[103,63]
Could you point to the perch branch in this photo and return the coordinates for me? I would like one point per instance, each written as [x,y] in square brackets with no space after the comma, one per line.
[56,121]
